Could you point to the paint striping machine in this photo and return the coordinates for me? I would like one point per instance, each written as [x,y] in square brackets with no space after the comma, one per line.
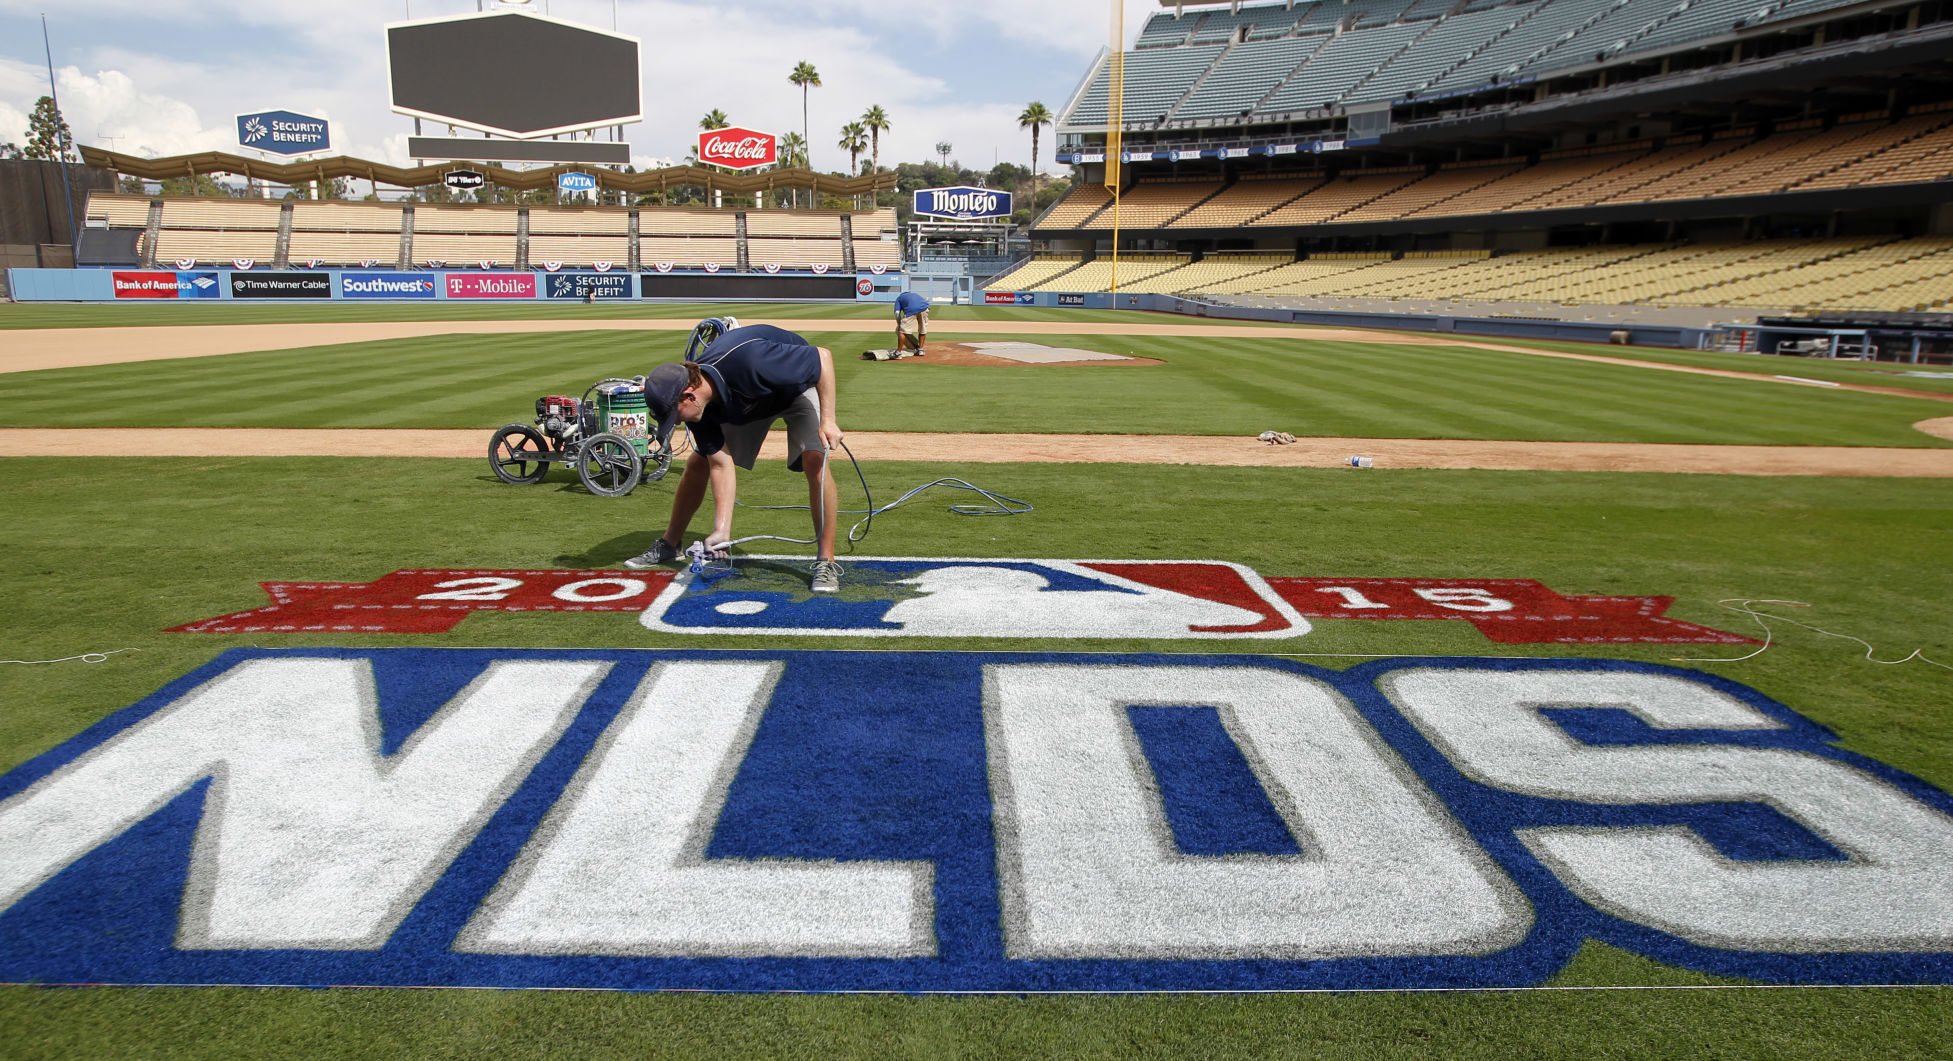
[605,435]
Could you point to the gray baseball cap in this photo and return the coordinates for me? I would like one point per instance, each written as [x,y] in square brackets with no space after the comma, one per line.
[663,388]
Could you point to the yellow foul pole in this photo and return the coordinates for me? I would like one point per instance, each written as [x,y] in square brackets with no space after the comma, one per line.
[1115,124]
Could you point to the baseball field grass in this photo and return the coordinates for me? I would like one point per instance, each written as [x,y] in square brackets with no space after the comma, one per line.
[1236,387]
[104,554]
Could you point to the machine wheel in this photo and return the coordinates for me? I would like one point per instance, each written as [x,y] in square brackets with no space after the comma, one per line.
[512,454]
[608,465]
[657,465]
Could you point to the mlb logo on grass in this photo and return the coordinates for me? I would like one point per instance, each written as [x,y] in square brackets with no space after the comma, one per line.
[911,597]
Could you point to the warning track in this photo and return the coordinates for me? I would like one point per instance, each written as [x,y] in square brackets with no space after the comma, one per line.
[1208,450]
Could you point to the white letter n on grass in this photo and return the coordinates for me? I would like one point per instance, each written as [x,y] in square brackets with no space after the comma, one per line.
[310,838]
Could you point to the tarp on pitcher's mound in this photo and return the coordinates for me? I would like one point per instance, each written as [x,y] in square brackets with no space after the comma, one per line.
[957,822]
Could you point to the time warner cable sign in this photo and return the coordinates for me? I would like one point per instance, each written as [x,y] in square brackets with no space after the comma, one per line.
[283,132]
[751,820]
[962,204]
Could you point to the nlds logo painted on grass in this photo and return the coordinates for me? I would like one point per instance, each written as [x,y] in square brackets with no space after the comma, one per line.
[958,821]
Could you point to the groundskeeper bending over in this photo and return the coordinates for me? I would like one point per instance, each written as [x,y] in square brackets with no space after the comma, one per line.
[733,384]
[911,322]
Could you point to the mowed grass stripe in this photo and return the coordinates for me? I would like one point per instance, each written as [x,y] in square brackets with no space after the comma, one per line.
[1679,407]
[1871,373]
[1241,386]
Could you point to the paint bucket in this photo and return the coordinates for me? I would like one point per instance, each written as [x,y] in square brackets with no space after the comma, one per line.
[622,411]
[1361,462]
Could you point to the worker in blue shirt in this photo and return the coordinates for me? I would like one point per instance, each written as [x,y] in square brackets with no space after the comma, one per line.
[911,322]
[728,395]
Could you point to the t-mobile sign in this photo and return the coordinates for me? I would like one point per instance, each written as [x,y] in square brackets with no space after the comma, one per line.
[491,285]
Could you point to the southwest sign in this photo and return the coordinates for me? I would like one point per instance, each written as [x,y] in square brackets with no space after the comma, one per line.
[962,203]
[958,821]
[283,132]
[914,597]
[737,148]
[387,285]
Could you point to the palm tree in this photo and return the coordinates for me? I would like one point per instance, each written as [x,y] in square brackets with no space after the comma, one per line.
[793,151]
[714,119]
[943,148]
[854,140]
[1034,115]
[806,77]
[876,120]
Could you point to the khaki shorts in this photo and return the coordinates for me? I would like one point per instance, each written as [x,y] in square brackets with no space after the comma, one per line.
[803,420]
[915,324]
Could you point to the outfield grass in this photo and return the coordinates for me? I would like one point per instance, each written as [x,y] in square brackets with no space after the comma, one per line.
[167,314]
[1868,373]
[108,552]
[1206,386]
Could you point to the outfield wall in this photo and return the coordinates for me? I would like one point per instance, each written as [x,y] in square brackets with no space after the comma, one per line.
[392,285]
[1506,327]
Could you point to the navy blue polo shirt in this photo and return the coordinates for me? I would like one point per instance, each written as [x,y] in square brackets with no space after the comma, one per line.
[756,372]
[908,304]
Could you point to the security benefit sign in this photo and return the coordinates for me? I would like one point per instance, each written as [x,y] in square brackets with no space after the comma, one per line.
[958,821]
[587,285]
[283,132]
[962,203]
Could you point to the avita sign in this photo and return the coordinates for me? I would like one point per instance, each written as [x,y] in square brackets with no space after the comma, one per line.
[738,148]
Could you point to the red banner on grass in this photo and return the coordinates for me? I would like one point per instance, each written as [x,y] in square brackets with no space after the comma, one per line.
[1511,611]
[1506,610]
[431,602]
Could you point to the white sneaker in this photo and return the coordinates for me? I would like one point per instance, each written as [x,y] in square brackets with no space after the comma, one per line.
[827,576]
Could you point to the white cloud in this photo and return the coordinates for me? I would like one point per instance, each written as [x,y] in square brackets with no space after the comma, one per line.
[176,91]
[107,108]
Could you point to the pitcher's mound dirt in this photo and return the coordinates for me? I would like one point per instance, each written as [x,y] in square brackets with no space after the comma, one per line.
[940,352]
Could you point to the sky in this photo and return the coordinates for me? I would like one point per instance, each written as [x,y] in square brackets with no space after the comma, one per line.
[167,77]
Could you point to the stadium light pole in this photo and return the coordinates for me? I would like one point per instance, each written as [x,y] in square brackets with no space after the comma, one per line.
[61,150]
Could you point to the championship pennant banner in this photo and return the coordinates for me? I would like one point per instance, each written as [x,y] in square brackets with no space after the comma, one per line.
[965,598]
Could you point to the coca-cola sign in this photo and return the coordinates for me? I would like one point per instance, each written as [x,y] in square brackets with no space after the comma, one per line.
[738,148]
